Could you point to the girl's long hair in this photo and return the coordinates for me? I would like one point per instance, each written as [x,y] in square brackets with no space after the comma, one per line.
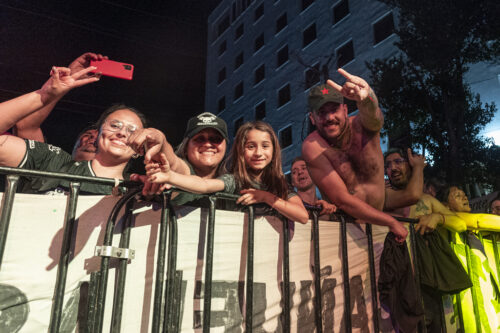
[272,175]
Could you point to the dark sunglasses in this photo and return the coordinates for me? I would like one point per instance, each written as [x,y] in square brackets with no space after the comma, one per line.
[213,139]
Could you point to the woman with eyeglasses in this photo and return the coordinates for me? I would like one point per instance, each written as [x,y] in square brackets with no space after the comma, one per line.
[113,152]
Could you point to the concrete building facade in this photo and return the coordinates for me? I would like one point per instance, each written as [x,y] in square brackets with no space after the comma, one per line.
[263,56]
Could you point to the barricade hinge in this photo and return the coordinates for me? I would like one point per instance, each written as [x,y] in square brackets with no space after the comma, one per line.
[114,252]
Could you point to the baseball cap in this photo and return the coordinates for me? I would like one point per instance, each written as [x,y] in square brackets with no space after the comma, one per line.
[206,120]
[322,94]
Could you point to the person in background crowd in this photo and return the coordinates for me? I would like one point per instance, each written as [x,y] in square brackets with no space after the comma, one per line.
[113,152]
[406,170]
[343,154]
[485,283]
[85,146]
[432,186]
[306,189]
[200,153]
[495,205]
[456,200]
[256,173]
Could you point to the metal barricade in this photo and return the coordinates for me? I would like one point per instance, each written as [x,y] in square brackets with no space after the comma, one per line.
[166,302]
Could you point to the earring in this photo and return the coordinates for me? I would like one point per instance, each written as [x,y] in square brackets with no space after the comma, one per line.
[134,156]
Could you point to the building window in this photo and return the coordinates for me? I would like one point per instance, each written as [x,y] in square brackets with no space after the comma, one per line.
[222,75]
[260,74]
[286,137]
[238,61]
[260,111]
[239,31]
[282,56]
[284,95]
[312,76]
[222,47]
[309,35]
[238,90]
[345,53]
[340,10]
[221,104]
[223,25]
[281,22]
[383,28]
[306,3]
[237,124]
[259,42]
[259,12]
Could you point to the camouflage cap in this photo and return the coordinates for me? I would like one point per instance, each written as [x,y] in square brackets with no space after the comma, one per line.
[322,94]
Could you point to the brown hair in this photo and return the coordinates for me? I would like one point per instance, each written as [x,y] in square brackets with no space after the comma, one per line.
[272,176]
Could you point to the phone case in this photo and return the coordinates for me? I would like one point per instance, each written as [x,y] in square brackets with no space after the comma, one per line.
[112,68]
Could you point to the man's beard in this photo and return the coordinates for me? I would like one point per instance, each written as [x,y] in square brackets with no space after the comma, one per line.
[341,139]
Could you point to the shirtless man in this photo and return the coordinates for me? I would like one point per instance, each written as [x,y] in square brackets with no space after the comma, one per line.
[400,168]
[306,189]
[344,155]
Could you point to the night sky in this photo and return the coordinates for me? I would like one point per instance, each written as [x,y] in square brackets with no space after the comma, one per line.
[164,40]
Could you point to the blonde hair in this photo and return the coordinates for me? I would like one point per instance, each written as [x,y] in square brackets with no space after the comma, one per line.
[272,175]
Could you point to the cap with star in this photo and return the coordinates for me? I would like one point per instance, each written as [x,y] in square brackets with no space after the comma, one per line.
[321,94]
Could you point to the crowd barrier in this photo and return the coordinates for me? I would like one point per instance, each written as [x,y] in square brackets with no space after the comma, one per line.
[169,286]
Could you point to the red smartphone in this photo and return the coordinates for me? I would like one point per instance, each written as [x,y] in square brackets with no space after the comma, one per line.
[112,68]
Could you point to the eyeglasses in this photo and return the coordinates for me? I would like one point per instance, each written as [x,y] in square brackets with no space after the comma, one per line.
[213,139]
[116,125]
[397,162]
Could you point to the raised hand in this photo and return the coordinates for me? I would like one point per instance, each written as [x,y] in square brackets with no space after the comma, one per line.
[158,172]
[147,142]
[83,62]
[61,81]
[416,160]
[355,88]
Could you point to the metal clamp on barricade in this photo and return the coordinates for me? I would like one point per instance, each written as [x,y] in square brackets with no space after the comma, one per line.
[114,252]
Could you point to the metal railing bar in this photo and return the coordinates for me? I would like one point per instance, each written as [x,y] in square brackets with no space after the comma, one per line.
[67,176]
[92,297]
[413,245]
[373,278]
[64,258]
[171,270]
[7,203]
[317,275]
[345,276]
[469,271]
[116,314]
[207,296]
[177,295]
[250,252]
[108,239]
[286,276]
[160,264]
[494,240]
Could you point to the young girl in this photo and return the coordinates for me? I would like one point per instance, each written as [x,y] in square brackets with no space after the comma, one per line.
[256,173]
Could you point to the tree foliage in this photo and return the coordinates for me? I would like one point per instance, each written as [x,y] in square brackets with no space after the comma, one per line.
[423,91]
